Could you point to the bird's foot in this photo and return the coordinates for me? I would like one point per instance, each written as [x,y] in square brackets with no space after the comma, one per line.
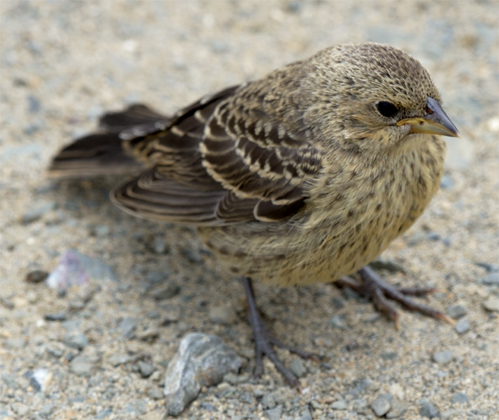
[380,292]
[264,343]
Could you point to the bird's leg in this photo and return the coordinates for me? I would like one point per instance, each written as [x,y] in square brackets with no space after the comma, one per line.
[264,342]
[379,291]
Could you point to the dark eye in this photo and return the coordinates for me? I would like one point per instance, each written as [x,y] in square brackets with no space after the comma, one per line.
[386,109]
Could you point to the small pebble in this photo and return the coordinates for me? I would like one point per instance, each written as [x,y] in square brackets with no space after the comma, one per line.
[104,414]
[274,413]
[339,405]
[459,398]
[127,326]
[306,415]
[148,334]
[450,414]
[20,408]
[491,279]
[382,404]
[492,304]
[121,359]
[155,394]
[76,341]
[200,361]
[298,368]
[46,411]
[224,315]
[397,410]
[427,410]
[15,343]
[268,401]
[37,212]
[36,276]
[338,321]
[83,366]
[443,357]
[146,369]
[462,326]
[166,292]
[457,311]
[57,316]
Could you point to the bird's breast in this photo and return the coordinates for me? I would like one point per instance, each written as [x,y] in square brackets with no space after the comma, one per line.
[349,219]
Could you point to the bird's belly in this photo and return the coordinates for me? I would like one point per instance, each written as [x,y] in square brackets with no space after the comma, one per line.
[296,255]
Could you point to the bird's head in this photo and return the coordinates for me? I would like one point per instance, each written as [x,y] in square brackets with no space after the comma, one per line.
[372,96]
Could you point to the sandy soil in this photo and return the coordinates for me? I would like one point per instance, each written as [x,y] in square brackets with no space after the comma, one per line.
[64,62]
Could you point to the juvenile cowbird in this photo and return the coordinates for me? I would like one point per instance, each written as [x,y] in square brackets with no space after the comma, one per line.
[303,176]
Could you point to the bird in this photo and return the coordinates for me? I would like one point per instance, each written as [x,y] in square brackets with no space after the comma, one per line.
[302,176]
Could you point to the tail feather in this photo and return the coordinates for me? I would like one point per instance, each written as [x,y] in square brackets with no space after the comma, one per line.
[137,114]
[96,154]
[103,153]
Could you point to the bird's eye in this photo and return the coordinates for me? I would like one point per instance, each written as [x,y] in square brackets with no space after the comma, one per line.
[387,109]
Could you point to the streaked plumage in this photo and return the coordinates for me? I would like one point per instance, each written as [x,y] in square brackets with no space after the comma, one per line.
[294,178]
[303,176]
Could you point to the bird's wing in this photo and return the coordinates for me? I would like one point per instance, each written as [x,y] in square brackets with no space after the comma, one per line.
[221,161]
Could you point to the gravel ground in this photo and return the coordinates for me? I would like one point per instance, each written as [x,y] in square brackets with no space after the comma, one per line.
[100,351]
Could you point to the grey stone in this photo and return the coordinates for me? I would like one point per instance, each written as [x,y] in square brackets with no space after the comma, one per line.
[46,410]
[339,405]
[268,401]
[104,413]
[127,326]
[121,359]
[382,404]
[462,326]
[37,211]
[427,409]
[459,398]
[338,321]
[148,334]
[274,413]
[224,314]
[10,380]
[146,369]
[389,356]
[83,366]
[201,360]
[20,408]
[457,311]
[233,379]
[156,277]
[491,279]
[192,256]
[159,245]
[76,341]
[77,269]
[359,404]
[57,316]
[306,415]
[443,357]
[450,414]
[15,343]
[491,304]
[398,408]
[166,292]
[155,394]
[298,368]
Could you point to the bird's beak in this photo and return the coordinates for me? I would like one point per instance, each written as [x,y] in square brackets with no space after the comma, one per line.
[435,121]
